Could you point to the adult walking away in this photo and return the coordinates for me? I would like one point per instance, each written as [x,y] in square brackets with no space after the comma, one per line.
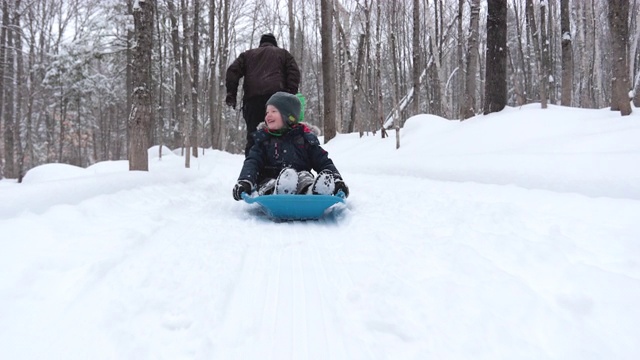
[266,69]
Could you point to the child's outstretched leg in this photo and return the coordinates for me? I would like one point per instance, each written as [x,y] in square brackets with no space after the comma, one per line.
[305,180]
[266,187]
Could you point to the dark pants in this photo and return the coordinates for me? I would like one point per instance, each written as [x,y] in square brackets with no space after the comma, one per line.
[253,111]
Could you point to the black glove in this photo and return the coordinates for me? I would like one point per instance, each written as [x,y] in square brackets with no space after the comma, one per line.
[340,185]
[243,186]
[231,100]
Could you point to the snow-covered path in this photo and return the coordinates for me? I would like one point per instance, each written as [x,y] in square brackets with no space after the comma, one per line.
[412,268]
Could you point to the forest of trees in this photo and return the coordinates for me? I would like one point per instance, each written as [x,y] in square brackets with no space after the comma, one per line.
[83,81]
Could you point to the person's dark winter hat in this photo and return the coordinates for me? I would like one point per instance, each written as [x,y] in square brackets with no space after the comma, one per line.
[288,105]
[268,38]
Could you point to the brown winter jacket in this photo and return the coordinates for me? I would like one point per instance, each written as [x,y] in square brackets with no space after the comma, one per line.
[266,70]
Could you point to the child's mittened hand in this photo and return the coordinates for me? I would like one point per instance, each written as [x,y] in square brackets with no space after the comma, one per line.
[340,185]
[243,186]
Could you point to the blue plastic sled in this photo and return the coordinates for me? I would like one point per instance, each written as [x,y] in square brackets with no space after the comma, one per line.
[295,207]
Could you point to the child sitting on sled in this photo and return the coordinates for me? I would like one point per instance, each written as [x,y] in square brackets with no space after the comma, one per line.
[284,153]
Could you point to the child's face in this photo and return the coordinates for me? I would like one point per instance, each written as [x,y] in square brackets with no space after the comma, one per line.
[273,118]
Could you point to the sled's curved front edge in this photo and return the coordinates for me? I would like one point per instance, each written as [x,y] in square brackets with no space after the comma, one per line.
[295,207]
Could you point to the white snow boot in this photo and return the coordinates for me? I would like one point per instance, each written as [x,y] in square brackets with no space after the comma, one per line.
[324,184]
[287,181]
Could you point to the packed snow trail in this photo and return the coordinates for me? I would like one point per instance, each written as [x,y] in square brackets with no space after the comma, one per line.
[189,273]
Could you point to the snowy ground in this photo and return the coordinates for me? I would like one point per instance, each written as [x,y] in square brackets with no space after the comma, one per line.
[509,236]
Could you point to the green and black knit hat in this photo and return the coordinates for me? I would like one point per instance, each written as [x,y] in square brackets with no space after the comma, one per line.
[288,105]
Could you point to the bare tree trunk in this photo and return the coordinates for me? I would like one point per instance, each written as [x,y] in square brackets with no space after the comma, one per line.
[9,91]
[62,121]
[176,122]
[524,65]
[459,93]
[470,90]
[29,138]
[618,15]
[161,113]
[496,69]
[567,54]
[223,51]
[195,70]
[328,70]
[635,54]
[533,29]
[367,77]
[416,56]
[552,21]
[357,83]
[545,58]
[20,93]
[292,29]
[436,50]
[3,65]
[597,78]
[129,56]
[346,87]
[378,81]
[186,82]
[586,52]
[396,81]
[636,86]
[393,48]
[212,73]
[582,80]
[141,112]
[435,86]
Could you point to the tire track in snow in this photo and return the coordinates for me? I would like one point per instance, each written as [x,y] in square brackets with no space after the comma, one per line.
[272,296]
[300,322]
[315,331]
[284,328]
[334,340]
[285,304]
[243,313]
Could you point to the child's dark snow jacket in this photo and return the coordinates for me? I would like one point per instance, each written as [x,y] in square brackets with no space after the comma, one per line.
[298,148]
